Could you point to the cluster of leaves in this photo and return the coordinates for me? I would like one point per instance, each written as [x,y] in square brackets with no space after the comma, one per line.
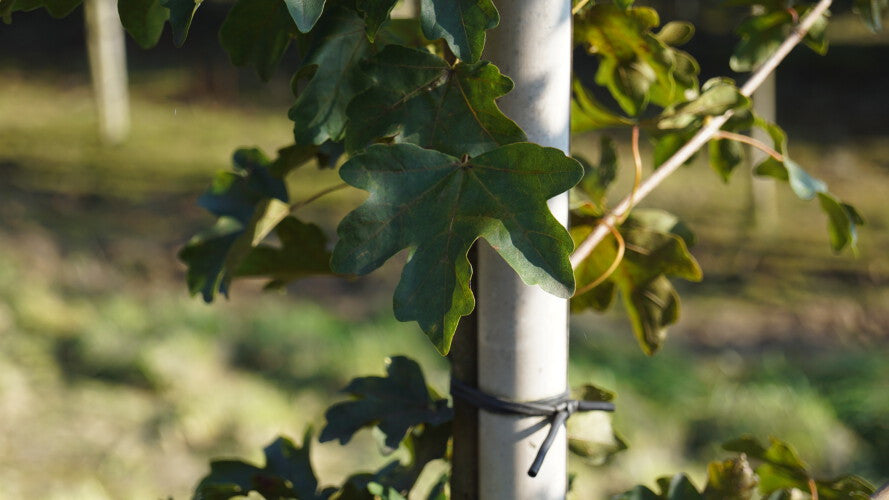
[407,412]
[409,416]
[413,106]
[780,475]
[655,88]
[444,166]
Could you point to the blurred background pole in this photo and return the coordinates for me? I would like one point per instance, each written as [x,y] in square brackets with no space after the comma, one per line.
[523,331]
[763,195]
[106,50]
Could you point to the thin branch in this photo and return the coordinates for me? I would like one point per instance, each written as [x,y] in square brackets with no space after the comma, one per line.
[319,194]
[724,134]
[700,139]
[579,6]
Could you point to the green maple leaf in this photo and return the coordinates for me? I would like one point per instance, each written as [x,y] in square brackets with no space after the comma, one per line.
[438,206]
[462,24]
[418,97]
[56,8]
[288,473]
[251,203]
[181,14]
[636,65]
[842,219]
[302,252]
[375,13]
[656,247]
[872,12]
[319,113]
[144,20]
[257,32]
[394,403]
[305,13]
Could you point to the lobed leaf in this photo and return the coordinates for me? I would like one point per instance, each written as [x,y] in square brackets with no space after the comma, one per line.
[257,33]
[438,206]
[418,98]
[287,474]
[635,65]
[394,403]
[656,247]
[319,114]
[461,23]
[250,204]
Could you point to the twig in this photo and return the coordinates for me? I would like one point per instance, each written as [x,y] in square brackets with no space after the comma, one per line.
[319,194]
[579,6]
[724,134]
[700,139]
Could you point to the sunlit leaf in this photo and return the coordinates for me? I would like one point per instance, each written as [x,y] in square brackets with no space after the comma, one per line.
[437,206]
[301,251]
[730,480]
[635,65]
[461,23]
[418,98]
[676,33]
[655,249]
[718,95]
[589,114]
[590,434]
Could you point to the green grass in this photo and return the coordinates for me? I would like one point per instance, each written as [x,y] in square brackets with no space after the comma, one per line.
[114,384]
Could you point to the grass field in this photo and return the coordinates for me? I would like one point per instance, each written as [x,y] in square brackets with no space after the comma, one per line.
[115,384]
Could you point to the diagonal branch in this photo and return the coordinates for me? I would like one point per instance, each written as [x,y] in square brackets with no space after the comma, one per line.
[707,132]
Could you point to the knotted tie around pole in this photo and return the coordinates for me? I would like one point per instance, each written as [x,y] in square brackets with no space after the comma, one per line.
[558,409]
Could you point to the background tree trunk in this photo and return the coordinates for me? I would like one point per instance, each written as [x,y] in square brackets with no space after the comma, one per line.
[106,50]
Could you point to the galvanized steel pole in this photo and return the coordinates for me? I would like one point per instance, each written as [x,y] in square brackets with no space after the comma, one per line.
[523,331]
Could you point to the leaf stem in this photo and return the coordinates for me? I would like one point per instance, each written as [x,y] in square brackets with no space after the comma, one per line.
[621,249]
[316,196]
[724,134]
[707,132]
[813,489]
